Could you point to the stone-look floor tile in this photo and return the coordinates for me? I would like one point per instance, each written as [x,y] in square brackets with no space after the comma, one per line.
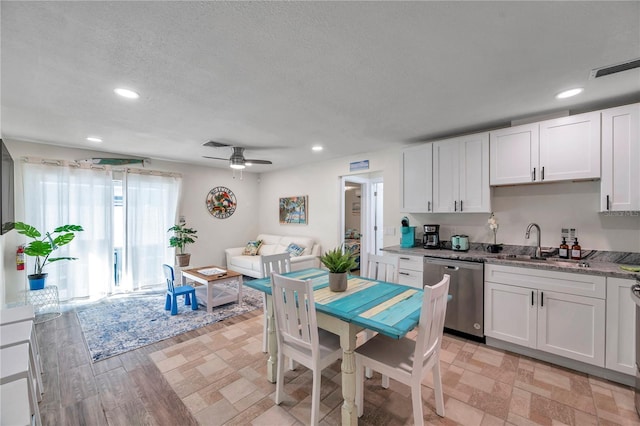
[462,413]
[171,363]
[237,390]
[585,419]
[275,415]
[489,420]
[552,378]
[488,356]
[574,399]
[520,402]
[477,381]
[217,413]
[545,410]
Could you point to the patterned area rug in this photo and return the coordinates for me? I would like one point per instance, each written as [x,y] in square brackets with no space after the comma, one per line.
[121,324]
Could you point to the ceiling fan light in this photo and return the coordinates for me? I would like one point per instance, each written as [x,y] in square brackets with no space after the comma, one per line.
[236,163]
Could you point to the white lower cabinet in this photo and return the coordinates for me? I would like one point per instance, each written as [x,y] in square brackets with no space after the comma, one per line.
[621,332]
[410,271]
[556,312]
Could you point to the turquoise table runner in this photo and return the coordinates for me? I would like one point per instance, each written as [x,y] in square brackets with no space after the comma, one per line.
[390,309]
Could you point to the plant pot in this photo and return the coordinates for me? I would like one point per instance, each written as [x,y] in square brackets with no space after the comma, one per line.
[183,259]
[37,281]
[494,248]
[337,281]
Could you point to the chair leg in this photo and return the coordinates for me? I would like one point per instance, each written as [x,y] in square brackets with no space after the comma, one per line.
[174,305]
[359,386]
[437,389]
[187,299]
[280,378]
[315,395]
[167,303]
[265,331]
[194,301]
[416,401]
[385,381]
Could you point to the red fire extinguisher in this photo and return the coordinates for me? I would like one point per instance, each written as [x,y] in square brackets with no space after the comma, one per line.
[20,258]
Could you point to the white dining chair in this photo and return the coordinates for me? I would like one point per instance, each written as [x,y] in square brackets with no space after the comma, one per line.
[278,263]
[383,268]
[299,337]
[406,360]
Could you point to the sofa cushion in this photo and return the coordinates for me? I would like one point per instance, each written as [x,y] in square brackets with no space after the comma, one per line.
[246,262]
[304,242]
[268,249]
[294,249]
[252,248]
[269,238]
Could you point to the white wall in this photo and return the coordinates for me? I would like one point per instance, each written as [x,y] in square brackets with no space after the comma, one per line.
[214,235]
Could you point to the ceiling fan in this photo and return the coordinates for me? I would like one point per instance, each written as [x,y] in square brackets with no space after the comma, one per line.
[237,160]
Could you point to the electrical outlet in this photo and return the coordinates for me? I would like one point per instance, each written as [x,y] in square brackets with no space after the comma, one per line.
[182,219]
[389,230]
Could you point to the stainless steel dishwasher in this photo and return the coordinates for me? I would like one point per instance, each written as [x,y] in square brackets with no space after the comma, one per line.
[465,311]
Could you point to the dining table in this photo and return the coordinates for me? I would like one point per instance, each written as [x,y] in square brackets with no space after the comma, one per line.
[387,308]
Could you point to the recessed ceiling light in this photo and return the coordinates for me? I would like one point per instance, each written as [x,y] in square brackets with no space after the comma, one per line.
[569,93]
[126,93]
[317,148]
[94,139]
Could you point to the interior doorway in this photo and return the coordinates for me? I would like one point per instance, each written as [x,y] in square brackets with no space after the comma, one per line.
[362,214]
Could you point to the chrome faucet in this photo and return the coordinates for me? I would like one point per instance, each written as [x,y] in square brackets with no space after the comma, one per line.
[538,248]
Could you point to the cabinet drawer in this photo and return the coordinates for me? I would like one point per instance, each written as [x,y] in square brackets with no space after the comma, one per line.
[410,278]
[562,282]
[412,263]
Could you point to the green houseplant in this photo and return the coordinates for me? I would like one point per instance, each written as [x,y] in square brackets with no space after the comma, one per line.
[42,246]
[338,261]
[181,237]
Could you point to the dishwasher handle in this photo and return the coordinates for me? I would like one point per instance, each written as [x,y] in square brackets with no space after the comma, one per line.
[452,268]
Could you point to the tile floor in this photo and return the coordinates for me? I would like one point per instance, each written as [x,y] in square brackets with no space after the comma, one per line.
[221,378]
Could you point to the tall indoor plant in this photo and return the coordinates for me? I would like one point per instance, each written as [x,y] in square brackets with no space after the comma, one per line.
[43,246]
[181,237]
[338,262]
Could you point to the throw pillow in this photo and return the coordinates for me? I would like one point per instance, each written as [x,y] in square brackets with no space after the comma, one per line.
[252,248]
[295,249]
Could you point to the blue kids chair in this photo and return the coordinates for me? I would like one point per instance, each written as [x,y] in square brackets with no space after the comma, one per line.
[173,292]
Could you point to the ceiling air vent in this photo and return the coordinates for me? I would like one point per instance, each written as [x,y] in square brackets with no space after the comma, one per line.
[612,69]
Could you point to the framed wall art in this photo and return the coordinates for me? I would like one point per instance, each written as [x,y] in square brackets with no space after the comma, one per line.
[221,202]
[294,210]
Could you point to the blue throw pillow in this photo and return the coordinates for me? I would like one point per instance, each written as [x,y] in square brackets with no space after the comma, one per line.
[295,250]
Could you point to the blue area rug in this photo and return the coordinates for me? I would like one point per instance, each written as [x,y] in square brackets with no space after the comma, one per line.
[120,324]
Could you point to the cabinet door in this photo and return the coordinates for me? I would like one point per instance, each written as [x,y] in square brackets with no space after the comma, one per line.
[572,326]
[514,155]
[473,151]
[416,179]
[510,313]
[570,147]
[620,183]
[621,330]
[446,184]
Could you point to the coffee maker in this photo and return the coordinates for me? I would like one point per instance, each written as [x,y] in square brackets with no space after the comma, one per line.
[431,237]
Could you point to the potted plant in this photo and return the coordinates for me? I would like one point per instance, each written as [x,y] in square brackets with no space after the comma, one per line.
[181,237]
[338,262]
[42,246]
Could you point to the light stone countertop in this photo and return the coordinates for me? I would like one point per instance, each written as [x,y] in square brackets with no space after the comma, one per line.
[594,260]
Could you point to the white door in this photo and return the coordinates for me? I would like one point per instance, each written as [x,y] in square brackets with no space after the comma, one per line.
[620,183]
[473,151]
[570,147]
[621,326]
[416,179]
[446,186]
[572,326]
[510,313]
[514,154]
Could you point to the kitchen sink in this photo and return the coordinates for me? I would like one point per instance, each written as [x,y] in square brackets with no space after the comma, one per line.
[565,263]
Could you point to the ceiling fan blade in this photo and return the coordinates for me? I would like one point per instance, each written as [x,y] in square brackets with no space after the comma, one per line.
[215,144]
[257,161]
[215,158]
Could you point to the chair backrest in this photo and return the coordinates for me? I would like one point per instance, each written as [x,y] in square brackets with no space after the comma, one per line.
[384,268]
[168,274]
[278,263]
[431,325]
[295,312]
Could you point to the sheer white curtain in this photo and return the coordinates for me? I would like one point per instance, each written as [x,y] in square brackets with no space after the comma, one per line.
[151,203]
[57,195]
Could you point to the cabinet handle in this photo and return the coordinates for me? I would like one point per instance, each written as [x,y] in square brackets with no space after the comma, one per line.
[455,206]
[405,258]
[403,273]
[542,299]
[533,175]
[428,206]
[531,297]
[542,174]
[461,209]
[607,203]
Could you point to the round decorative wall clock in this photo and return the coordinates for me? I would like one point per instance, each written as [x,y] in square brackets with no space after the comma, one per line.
[221,202]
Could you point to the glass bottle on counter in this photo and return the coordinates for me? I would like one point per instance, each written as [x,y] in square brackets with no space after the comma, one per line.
[563,252]
[576,250]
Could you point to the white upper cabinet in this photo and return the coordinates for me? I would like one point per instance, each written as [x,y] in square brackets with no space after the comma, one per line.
[461,174]
[570,147]
[416,179]
[620,183]
[564,148]
[514,154]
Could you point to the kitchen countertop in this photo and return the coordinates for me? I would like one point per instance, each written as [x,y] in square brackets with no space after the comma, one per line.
[518,256]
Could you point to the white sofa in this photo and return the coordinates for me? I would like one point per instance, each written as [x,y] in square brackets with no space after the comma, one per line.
[272,244]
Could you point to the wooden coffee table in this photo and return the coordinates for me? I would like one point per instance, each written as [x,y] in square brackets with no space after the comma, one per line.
[214,295]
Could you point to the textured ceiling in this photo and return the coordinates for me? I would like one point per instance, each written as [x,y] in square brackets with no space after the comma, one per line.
[280,77]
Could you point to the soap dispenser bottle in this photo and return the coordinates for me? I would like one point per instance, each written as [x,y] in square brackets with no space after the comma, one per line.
[576,250]
[563,252]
